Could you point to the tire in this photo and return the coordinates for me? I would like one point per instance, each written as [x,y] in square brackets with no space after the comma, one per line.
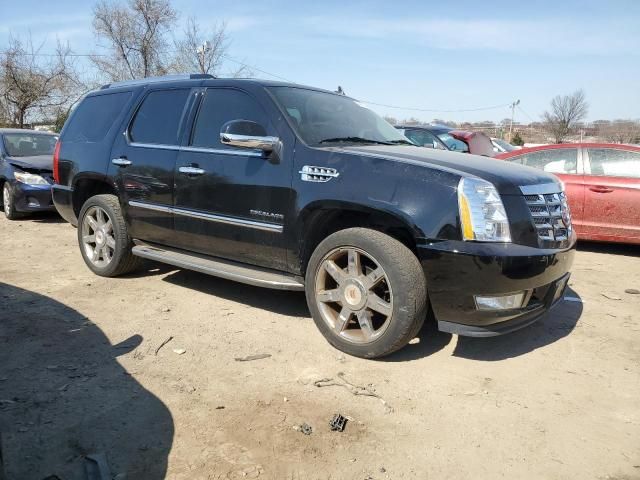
[372,300]
[8,204]
[103,239]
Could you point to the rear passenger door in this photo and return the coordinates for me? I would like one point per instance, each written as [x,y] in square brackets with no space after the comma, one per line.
[143,161]
[235,205]
[612,193]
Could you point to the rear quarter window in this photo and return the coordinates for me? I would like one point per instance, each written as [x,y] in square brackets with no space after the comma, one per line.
[94,117]
[611,162]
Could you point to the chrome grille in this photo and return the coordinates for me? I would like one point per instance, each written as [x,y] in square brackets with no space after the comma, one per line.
[550,214]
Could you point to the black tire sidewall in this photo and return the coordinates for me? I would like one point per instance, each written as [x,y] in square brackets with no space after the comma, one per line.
[121,238]
[408,288]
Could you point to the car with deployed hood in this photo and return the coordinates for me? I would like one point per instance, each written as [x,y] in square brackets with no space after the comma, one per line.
[442,137]
[291,187]
[26,171]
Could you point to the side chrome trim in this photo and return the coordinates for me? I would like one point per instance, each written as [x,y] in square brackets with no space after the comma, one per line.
[268,227]
[220,151]
[541,189]
[154,145]
[310,173]
[151,206]
[246,153]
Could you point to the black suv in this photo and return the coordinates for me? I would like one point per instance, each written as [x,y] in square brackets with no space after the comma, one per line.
[297,188]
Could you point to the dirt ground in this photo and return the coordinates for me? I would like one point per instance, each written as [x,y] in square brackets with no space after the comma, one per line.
[81,373]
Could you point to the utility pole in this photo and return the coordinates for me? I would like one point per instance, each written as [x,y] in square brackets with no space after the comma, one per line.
[202,52]
[513,112]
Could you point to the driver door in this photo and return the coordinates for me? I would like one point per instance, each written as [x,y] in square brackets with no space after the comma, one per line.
[232,202]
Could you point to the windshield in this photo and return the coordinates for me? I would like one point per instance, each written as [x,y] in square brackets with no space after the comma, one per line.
[507,147]
[453,143]
[29,145]
[321,118]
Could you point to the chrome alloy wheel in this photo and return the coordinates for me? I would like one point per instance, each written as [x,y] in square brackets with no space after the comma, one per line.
[6,199]
[353,295]
[97,237]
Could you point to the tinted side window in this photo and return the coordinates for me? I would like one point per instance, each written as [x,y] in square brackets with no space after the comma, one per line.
[614,163]
[221,105]
[563,160]
[94,117]
[159,117]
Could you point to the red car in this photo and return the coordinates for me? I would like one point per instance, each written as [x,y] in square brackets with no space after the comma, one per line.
[602,182]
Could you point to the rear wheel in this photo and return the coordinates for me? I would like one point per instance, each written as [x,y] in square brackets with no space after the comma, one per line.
[366,292]
[102,235]
[8,204]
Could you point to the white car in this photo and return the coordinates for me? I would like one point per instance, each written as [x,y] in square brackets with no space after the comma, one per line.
[502,146]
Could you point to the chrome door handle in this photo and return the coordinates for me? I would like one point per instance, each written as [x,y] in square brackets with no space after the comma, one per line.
[191,170]
[121,162]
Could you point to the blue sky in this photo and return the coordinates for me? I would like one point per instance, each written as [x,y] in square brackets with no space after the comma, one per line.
[422,54]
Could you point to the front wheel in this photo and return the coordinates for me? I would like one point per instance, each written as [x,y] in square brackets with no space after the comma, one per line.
[366,292]
[8,204]
[103,238]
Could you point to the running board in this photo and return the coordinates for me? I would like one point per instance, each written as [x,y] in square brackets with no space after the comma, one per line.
[238,272]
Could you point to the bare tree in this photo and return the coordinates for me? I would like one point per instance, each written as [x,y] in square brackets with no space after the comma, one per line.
[204,51]
[566,112]
[31,84]
[136,35]
[620,131]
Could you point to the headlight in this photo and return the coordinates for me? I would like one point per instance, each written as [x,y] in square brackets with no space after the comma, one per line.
[30,178]
[482,213]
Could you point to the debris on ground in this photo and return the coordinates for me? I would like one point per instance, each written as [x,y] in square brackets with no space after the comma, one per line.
[306,429]
[163,344]
[179,351]
[96,467]
[610,296]
[353,388]
[337,423]
[632,291]
[220,407]
[249,358]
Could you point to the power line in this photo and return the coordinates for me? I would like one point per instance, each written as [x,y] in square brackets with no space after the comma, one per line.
[525,113]
[494,107]
[253,67]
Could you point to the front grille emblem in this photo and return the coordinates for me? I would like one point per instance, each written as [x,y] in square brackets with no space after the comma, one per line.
[551,215]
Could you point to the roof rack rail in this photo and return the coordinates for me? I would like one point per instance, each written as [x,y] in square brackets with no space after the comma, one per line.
[164,78]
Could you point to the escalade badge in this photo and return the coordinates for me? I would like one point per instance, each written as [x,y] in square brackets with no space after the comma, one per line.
[267,215]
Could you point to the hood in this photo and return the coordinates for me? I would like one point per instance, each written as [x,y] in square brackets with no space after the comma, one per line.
[507,177]
[37,162]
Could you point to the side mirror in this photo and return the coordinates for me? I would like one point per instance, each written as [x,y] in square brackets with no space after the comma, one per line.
[247,134]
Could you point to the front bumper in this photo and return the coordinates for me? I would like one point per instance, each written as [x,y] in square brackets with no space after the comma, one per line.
[32,198]
[458,271]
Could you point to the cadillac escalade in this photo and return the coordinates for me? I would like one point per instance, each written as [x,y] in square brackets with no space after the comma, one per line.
[296,188]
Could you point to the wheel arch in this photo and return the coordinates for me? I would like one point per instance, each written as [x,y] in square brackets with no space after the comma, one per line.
[88,185]
[319,220]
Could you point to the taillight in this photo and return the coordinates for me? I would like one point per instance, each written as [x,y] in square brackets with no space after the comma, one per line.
[56,162]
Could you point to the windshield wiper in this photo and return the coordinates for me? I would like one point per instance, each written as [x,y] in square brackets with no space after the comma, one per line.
[401,141]
[354,140]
